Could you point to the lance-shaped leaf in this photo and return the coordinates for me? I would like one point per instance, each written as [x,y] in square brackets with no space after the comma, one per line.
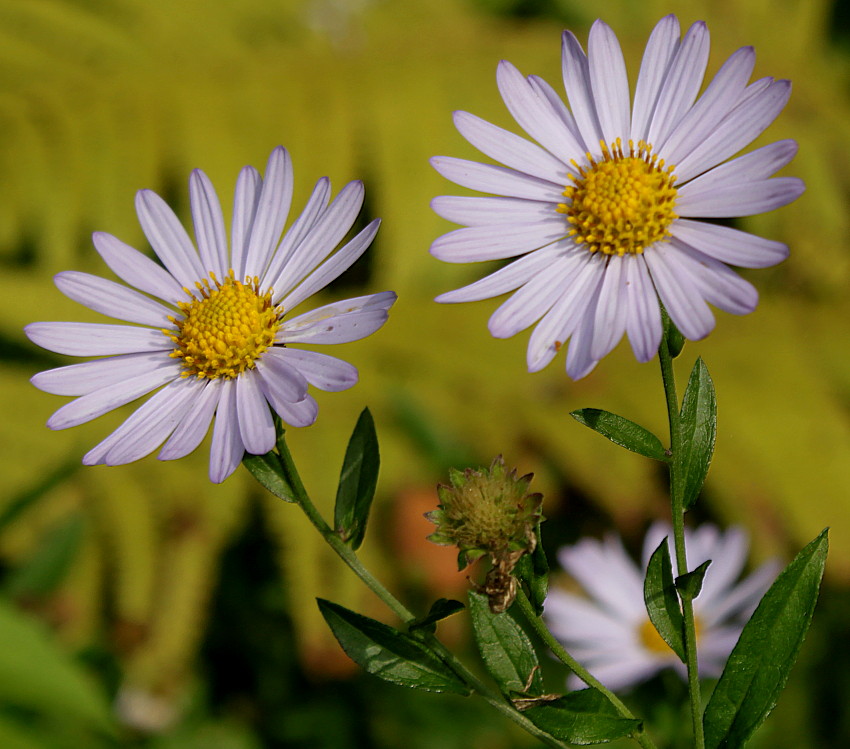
[441,609]
[690,584]
[699,429]
[268,470]
[662,601]
[357,481]
[389,654]
[505,648]
[760,663]
[622,432]
[533,572]
[583,717]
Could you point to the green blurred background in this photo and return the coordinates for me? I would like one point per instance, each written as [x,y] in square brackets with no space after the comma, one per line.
[142,606]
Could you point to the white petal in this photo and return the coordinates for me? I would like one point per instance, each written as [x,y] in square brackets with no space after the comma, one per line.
[576,72]
[88,376]
[289,382]
[534,113]
[663,43]
[625,672]
[208,218]
[475,211]
[322,371]
[681,84]
[334,267]
[643,316]
[95,339]
[580,360]
[301,414]
[497,180]
[506,279]
[739,199]
[492,242]
[272,209]
[249,185]
[509,149]
[728,555]
[684,304]
[191,431]
[105,399]
[611,311]
[256,427]
[137,269]
[227,449]
[113,299]
[609,82]
[572,146]
[168,238]
[744,598]
[729,245]
[339,322]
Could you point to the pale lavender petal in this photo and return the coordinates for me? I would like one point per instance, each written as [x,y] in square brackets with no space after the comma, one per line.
[105,399]
[475,211]
[684,304]
[611,313]
[681,84]
[113,299]
[89,376]
[289,382]
[227,449]
[208,218]
[580,359]
[191,431]
[509,149]
[168,238]
[506,279]
[581,624]
[497,180]
[573,146]
[249,185]
[95,339]
[534,113]
[272,209]
[493,242]
[256,427]
[301,414]
[739,199]
[322,371]
[623,673]
[743,599]
[334,267]
[609,82]
[729,245]
[738,129]
[728,557]
[137,269]
[576,72]
[339,322]
[643,316]
[662,45]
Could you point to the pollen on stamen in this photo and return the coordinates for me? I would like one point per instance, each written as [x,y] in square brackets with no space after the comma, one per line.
[620,203]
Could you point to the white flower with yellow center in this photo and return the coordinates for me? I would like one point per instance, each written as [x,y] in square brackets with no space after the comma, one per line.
[609,632]
[604,211]
[220,343]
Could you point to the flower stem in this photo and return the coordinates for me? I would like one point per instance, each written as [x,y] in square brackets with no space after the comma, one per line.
[349,556]
[678,518]
[562,655]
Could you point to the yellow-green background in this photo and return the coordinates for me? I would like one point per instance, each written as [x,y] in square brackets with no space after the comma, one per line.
[99,98]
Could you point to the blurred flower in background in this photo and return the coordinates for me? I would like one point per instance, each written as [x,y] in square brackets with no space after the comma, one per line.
[609,632]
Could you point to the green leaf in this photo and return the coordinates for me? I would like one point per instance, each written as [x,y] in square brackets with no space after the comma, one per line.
[662,601]
[505,648]
[441,609]
[582,717]
[36,675]
[533,572]
[268,470]
[48,566]
[622,432]
[699,429]
[357,481]
[389,654]
[690,584]
[759,665]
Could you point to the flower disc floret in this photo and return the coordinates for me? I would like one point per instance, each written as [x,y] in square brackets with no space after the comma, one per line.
[225,328]
[621,203]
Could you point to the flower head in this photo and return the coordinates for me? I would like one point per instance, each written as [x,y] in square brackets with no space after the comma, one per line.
[219,340]
[604,211]
[610,632]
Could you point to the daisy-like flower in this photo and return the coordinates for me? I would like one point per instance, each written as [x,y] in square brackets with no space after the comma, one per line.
[604,211]
[610,633]
[219,341]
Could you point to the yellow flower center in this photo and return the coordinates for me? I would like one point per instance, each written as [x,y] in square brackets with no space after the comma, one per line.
[225,328]
[621,203]
[653,642]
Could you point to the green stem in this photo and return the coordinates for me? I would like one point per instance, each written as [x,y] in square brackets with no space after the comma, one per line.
[678,517]
[347,554]
[562,655]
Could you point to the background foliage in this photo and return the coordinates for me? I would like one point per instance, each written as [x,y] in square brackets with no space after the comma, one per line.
[188,610]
